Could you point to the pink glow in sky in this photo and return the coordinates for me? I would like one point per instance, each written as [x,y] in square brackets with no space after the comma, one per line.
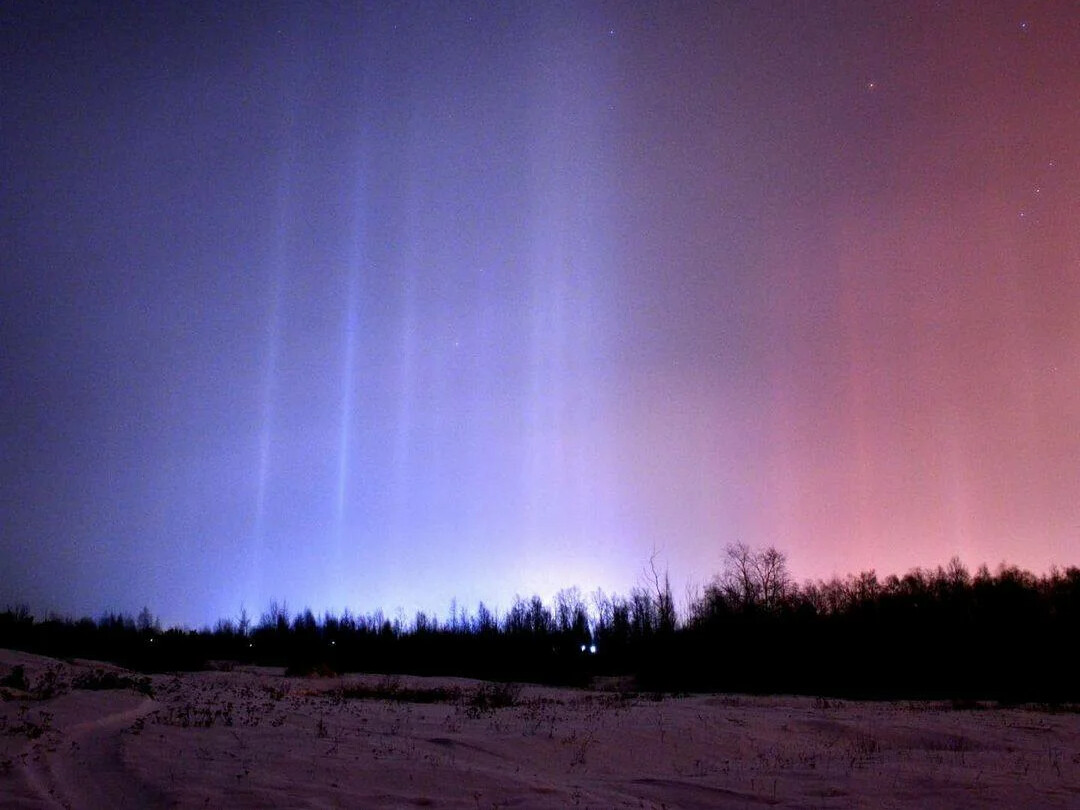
[385,306]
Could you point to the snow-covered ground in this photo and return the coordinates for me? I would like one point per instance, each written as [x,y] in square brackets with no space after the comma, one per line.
[253,738]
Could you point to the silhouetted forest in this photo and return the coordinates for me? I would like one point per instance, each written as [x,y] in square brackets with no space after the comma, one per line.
[1009,636]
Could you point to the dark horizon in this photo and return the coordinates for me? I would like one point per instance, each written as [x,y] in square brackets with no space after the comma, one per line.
[944,634]
[652,574]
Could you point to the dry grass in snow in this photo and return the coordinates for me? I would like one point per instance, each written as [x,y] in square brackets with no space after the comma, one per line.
[84,735]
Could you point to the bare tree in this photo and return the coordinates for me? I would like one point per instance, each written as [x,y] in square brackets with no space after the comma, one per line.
[603,610]
[660,590]
[147,622]
[276,617]
[957,573]
[738,581]
[452,625]
[571,614]
[755,579]
[641,614]
[774,582]
[486,621]
[517,618]
[692,598]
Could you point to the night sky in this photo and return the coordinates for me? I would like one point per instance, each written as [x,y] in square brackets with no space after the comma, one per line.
[378,305]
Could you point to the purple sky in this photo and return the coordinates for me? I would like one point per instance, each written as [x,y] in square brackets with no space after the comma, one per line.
[382,306]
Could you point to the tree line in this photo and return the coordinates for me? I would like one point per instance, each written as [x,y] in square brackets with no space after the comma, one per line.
[1007,635]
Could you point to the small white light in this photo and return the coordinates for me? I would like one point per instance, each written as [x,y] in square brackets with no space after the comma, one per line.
[592,649]
[583,648]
